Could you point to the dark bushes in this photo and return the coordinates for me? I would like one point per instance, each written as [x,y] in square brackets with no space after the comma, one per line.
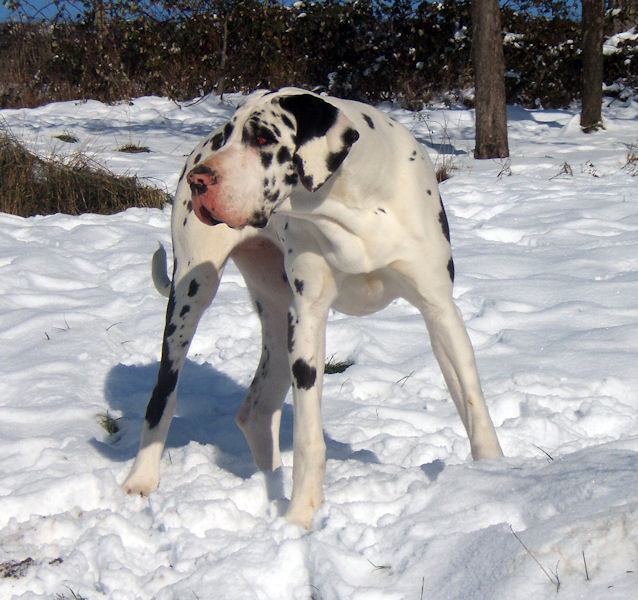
[367,49]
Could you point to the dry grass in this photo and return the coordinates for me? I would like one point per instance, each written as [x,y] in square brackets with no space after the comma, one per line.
[632,159]
[31,185]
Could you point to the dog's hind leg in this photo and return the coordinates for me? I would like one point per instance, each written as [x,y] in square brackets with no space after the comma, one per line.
[431,293]
[261,264]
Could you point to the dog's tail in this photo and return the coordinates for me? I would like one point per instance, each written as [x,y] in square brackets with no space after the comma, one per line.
[158,271]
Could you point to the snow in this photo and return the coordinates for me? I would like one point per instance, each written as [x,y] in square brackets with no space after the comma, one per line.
[546,253]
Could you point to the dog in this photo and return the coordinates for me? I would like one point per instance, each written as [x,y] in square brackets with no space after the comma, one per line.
[321,203]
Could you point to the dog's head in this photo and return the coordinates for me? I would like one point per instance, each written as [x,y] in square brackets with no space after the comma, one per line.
[273,143]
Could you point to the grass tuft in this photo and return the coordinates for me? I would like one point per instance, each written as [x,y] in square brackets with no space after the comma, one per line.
[133,149]
[15,569]
[31,185]
[332,366]
[67,138]
[632,159]
[108,423]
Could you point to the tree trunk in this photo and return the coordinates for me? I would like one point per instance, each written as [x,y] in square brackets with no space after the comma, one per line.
[489,80]
[590,116]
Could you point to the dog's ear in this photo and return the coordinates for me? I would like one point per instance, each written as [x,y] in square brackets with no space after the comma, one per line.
[323,138]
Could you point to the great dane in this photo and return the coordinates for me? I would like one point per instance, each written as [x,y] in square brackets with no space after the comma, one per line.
[321,203]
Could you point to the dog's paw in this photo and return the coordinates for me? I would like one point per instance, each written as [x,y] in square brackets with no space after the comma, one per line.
[140,485]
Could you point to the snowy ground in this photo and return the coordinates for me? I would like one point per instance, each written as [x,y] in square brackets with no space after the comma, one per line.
[546,250]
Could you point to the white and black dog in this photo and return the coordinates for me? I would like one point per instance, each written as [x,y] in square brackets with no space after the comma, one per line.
[321,203]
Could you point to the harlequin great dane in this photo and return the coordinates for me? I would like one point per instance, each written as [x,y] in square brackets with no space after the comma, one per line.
[321,203]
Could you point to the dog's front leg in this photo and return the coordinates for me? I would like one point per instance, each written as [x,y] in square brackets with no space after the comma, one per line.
[191,293]
[314,290]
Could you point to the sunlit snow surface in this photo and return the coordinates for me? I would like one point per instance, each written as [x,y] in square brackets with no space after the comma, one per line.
[546,253]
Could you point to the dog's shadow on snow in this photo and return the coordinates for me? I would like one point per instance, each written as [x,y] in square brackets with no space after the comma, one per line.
[207,402]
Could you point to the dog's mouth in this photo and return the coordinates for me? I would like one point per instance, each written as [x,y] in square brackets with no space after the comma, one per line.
[205,216]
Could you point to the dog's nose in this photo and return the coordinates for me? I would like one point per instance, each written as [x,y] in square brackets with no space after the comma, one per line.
[200,178]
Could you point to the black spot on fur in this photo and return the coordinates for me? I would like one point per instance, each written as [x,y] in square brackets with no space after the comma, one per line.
[287,122]
[197,158]
[429,192]
[368,120]
[450,269]
[444,224]
[266,159]
[167,376]
[228,131]
[291,178]
[350,136]
[259,219]
[166,382]
[283,155]
[413,156]
[304,374]
[259,308]
[218,141]
[273,196]
[299,286]
[291,332]
[185,310]
[192,288]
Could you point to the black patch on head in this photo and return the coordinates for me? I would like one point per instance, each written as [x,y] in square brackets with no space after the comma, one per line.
[259,219]
[444,224]
[287,122]
[291,178]
[228,131]
[218,141]
[368,120]
[299,286]
[350,136]
[450,269]
[189,206]
[185,310]
[192,288]
[334,160]
[197,158]
[314,116]
[283,155]
[304,374]
[273,196]
[266,159]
